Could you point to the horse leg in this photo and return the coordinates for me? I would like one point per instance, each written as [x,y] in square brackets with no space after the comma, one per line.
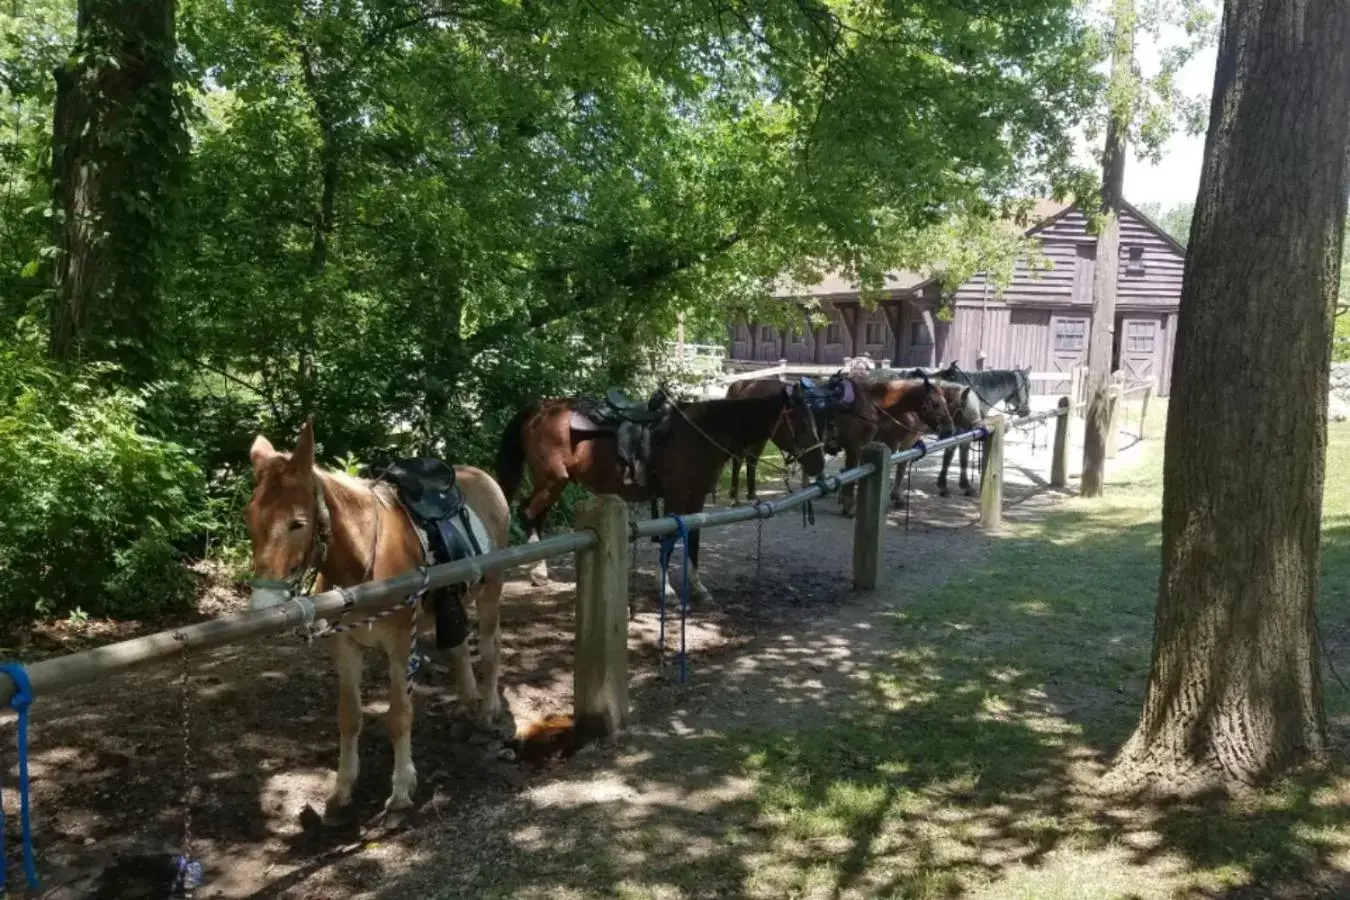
[545,495]
[751,466]
[846,492]
[347,656]
[897,485]
[965,478]
[735,482]
[697,591]
[399,721]
[942,473]
[490,644]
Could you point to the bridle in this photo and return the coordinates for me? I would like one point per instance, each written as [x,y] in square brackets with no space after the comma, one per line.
[301,581]
[896,422]
[792,456]
[970,383]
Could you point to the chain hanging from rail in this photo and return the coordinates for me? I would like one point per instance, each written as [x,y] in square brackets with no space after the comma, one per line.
[188,871]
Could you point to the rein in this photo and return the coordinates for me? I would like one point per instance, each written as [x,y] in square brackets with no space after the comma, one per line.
[970,383]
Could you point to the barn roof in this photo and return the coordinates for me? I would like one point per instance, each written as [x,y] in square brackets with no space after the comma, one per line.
[837,286]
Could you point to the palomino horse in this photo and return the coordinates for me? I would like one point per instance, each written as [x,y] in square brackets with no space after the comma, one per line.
[303,519]
[698,439]
[761,387]
[891,410]
[1011,387]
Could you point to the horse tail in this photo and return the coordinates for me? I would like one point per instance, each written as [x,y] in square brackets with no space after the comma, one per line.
[510,466]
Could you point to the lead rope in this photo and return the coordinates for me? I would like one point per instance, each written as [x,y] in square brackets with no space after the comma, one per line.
[20,702]
[668,543]
[187,871]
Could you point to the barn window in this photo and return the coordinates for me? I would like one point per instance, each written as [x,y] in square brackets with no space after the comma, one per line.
[1136,264]
[832,334]
[766,333]
[1139,338]
[874,333]
[918,335]
[798,337]
[1069,334]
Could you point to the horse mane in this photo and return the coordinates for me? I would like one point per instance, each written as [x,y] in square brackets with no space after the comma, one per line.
[385,493]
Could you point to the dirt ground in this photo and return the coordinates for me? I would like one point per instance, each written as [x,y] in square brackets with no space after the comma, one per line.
[108,768]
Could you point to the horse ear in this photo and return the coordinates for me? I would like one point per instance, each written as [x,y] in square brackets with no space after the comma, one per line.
[261,451]
[302,457]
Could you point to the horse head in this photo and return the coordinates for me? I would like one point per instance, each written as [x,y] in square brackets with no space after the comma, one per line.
[933,410]
[797,429]
[287,518]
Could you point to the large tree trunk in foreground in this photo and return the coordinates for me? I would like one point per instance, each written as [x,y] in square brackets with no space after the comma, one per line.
[1107,269]
[1234,694]
[116,143]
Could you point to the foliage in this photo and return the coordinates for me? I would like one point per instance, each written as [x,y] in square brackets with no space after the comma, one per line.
[1176,220]
[410,219]
[96,510]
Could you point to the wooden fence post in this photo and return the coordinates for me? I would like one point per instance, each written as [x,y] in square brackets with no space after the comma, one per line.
[869,526]
[991,478]
[1059,461]
[1113,415]
[600,676]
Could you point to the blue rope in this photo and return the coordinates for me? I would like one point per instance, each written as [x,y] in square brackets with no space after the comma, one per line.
[22,699]
[667,548]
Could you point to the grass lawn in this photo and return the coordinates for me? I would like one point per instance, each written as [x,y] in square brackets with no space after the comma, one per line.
[960,761]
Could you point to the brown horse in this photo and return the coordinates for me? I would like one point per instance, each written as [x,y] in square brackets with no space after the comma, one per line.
[755,387]
[697,440]
[303,518]
[892,411]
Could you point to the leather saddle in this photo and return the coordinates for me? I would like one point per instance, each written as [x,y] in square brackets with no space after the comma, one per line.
[426,487]
[619,407]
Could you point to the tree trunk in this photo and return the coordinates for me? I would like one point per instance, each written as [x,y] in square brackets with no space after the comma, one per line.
[1234,693]
[117,142]
[1106,270]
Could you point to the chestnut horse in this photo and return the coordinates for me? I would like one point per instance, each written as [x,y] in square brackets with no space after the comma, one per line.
[302,518]
[759,387]
[966,414]
[892,411]
[697,440]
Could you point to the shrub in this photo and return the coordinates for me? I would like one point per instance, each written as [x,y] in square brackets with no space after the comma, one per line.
[96,513]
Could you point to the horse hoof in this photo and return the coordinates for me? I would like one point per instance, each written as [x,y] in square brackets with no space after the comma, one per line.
[399,801]
[487,712]
[539,579]
[897,503]
[846,513]
[735,501]
[335,809]
[969,492]
[943,492]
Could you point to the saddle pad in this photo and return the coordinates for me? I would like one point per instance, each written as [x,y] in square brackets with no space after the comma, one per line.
[583,422]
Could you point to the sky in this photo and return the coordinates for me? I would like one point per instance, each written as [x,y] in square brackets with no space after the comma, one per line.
[1177,177]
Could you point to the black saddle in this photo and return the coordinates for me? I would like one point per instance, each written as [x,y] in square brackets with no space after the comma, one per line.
[426,486]
[427,489]
[626,409]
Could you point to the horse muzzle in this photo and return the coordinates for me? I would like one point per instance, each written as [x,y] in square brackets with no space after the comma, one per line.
[267,597]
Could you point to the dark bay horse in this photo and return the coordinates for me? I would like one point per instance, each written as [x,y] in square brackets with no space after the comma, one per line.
[302,518]
[760,387]
[989,387]
[699,438]
[891,410]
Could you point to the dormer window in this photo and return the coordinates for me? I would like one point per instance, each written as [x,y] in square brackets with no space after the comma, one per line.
[1135,266]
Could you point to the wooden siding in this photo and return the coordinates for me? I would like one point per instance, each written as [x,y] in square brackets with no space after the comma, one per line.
[1028,339]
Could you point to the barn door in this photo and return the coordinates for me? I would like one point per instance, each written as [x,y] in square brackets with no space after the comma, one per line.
[1068,347]
[1140,348]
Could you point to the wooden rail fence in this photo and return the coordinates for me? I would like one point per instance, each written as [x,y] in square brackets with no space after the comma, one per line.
[601,544]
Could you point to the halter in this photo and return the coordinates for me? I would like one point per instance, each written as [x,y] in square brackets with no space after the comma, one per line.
[789,456]
[898,424]
[302,580]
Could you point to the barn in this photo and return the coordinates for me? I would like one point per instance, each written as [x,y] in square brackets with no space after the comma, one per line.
[1041,320]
